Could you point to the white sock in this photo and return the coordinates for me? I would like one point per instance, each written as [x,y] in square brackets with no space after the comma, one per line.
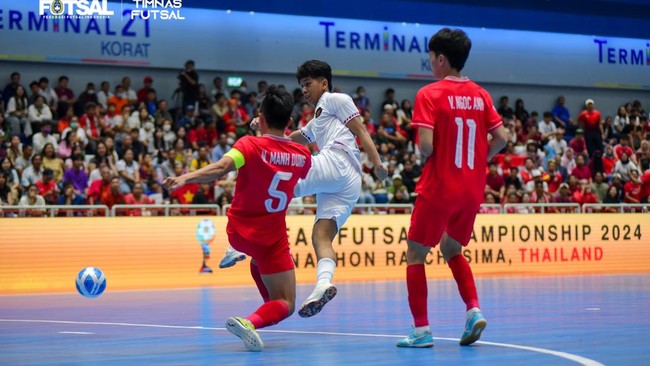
[325,270]
[421,330]
[473,310]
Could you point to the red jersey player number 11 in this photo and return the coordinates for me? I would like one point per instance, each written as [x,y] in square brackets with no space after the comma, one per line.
[454,116]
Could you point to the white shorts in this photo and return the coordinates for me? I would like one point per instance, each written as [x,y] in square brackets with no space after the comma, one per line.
[336,183]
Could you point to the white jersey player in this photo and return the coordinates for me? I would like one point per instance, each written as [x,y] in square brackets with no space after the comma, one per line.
[335,176]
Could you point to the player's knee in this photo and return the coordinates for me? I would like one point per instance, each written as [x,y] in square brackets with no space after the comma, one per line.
[324,232]
[450,249]
[416,253]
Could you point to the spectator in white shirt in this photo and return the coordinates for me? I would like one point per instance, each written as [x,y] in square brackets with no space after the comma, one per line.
[74,127]
[51,99]
[131,95]
[16,114]
[103,95]
[558,144]
[547,127]
[44,137]
[129,171]
[38,112]
[34,172]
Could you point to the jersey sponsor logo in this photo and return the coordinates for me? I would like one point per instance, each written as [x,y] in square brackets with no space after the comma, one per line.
[318,112]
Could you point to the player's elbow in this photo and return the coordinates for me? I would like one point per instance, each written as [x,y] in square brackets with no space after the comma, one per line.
[426,148]
[500,137]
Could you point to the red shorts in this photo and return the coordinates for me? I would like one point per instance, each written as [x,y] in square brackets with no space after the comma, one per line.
[270,257]
[429,222]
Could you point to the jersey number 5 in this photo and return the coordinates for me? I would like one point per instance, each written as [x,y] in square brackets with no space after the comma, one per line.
[471,140]
[275,193]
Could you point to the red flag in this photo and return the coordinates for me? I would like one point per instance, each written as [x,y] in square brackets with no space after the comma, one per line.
[185,194]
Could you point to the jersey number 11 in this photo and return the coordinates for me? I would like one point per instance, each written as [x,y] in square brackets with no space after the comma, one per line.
[471,140]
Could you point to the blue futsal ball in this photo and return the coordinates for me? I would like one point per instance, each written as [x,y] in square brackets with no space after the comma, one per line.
[91,282]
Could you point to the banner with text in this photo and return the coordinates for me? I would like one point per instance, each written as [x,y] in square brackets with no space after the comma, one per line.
[165,35]
[44,255]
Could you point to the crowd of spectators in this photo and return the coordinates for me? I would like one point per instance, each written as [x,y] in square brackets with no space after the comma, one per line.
[116,144]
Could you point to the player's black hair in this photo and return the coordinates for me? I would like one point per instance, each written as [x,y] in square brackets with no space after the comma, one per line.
[315,69]
[277,107]
[454,44]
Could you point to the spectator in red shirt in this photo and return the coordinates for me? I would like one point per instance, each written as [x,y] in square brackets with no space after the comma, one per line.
[99,187]
[584,194]
[527,171]
[136,197]
[113,196]
[609,161]
[494,182]
[591,122]
[199,135]
[578,143]
[581,171]
[211,132]
[633,188]
[142,93]
[234,118]
[624,147]
[47,187]
[89,122]
[555,178]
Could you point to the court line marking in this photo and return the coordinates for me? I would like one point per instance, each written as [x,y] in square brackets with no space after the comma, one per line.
[76,333]
[568,356]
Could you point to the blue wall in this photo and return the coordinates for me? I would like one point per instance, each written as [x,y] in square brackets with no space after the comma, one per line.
[621,18]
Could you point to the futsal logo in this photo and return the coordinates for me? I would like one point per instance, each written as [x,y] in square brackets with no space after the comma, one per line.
[74,8]
[318,112]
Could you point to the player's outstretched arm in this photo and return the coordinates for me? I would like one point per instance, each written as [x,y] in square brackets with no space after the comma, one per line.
[206,174]
[356,126]
[498,142]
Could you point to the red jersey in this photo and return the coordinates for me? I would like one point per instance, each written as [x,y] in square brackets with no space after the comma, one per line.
[633,190]
[265,184]
[620,149]
[461,114]
[591,120]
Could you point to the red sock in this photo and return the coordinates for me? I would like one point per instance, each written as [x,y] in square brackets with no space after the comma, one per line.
[261,287]
[465,280]
[270,313]
[416,283]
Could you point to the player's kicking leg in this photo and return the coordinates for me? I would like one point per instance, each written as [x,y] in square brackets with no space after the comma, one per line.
[323,235]
[416,284]
[475,323]
[281,289]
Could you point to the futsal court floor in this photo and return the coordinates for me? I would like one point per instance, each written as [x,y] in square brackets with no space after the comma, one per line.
[586,320]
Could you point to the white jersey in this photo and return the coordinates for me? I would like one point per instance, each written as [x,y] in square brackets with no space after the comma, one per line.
[328,127]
